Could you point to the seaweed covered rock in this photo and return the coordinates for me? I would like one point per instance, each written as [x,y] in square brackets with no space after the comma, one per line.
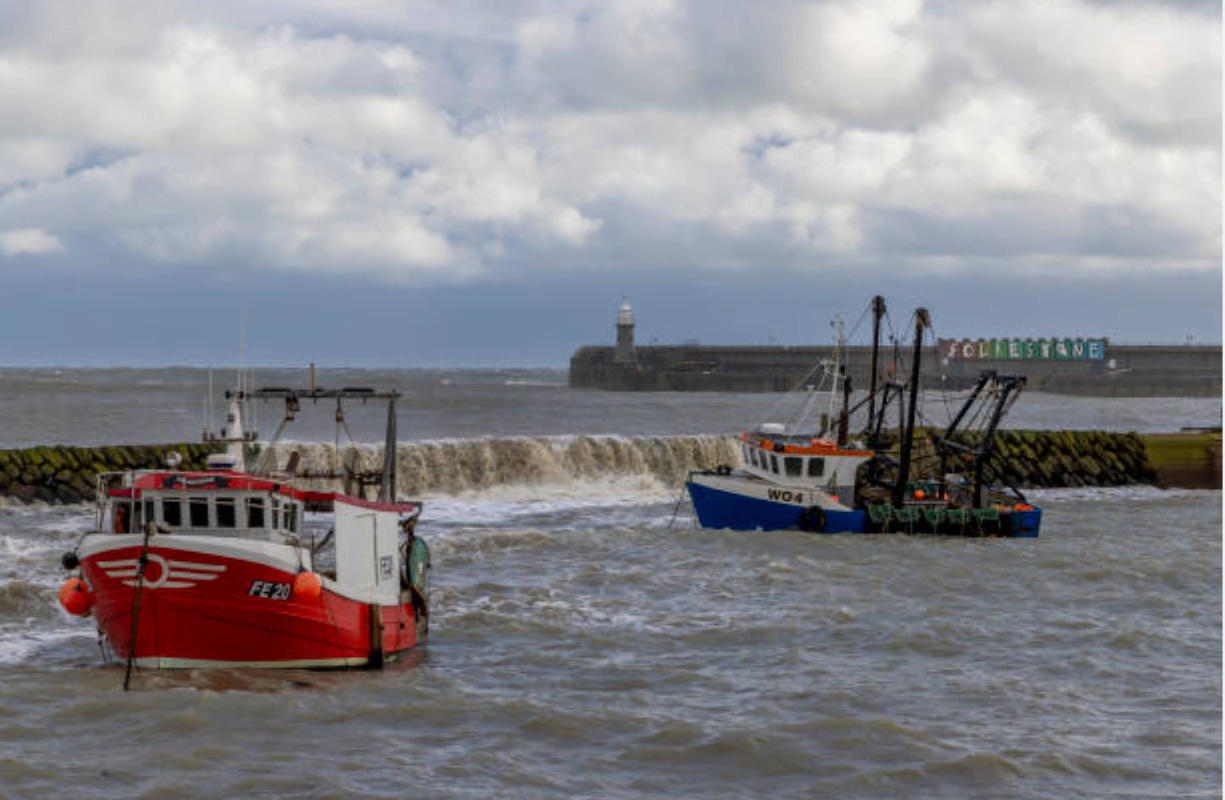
[63,474]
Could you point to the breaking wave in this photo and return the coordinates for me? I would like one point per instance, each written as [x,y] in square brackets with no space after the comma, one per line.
[456,466]
[24,599]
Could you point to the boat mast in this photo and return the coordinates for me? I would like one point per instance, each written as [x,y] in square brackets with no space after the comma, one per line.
[844,419]
[1010,384]
[387,484]
[900,386]
[945,442]
[293,399]
[878,311]
[922,319]
[839,343]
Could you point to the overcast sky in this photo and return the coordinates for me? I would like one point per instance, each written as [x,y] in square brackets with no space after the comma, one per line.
[453,182]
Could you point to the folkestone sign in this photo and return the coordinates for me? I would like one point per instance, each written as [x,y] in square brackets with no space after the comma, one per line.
[1023,349]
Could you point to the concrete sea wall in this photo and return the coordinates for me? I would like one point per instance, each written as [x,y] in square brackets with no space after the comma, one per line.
[1125,371]
[1187,459]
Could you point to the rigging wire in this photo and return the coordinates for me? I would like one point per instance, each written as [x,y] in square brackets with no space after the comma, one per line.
[804,382]
[827,376]
[862,316]
[855,329]
[803,412]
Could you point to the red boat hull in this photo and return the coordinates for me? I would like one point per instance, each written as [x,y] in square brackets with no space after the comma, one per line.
[209,609]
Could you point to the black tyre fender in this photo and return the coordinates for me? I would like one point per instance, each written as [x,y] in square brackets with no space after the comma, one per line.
[812,519]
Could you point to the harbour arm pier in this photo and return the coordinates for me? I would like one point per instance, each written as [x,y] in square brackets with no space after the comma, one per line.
[1072,366]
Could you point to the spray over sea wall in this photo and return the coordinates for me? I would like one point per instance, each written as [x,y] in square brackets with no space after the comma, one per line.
[456,466]
[1022,458]
[464,465]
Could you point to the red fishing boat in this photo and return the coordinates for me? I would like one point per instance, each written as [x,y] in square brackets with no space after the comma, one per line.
[220,568]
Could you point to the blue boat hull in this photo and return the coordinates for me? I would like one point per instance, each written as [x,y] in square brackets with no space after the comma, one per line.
[721,509]
[1027,524]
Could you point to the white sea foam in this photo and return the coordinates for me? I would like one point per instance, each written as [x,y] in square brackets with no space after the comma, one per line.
[22,547]
[568,465]
[537,383]
[22,644]
[1136,492]
[513,500]
[552,608]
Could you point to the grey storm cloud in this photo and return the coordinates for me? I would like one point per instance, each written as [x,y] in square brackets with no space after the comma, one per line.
[430,143]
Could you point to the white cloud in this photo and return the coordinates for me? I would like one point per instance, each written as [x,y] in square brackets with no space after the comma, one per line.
[1152,69]
[452,142]
[34,241]
[861,58]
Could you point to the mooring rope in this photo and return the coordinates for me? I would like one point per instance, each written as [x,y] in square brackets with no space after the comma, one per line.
[140,585]
[677,508]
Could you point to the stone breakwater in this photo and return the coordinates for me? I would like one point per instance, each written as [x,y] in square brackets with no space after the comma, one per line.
[1021,458]
[67,474]
[1054,459]
[1048,459]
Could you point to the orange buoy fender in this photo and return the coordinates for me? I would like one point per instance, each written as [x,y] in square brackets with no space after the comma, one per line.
[307,586]
[76,597]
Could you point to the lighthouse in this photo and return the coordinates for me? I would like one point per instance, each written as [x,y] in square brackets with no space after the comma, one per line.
[625,333]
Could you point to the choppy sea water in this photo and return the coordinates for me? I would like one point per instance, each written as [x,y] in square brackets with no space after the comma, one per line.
[145,406]
[588,641]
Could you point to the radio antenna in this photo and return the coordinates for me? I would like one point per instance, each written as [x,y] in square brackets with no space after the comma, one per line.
[242,348]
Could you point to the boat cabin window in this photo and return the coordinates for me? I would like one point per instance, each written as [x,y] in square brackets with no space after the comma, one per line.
[172,512]
[225,513]
[255,512]
[774,463]
[794,465]
[198,511]
[816,467]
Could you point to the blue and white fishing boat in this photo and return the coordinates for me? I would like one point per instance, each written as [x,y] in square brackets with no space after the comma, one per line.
[792,475]
[787,481]
[808,475]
